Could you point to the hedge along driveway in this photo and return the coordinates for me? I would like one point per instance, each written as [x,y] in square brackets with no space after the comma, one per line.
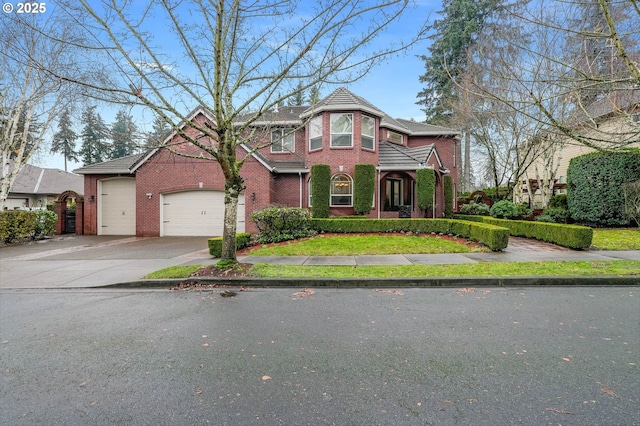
[571,236]
[493,236]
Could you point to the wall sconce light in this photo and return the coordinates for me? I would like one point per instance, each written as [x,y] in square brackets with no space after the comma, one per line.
[253,196]
[149,195]
[92,198]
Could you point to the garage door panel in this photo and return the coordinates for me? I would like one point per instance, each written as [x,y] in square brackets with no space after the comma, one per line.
[118,207]
[196,213]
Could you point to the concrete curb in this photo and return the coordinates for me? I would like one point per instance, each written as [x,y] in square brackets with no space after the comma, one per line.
[604,280]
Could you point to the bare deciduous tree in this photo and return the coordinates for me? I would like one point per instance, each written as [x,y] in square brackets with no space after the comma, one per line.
[30,96]
[239,59]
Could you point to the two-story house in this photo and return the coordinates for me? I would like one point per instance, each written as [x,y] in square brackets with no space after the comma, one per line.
[161,193]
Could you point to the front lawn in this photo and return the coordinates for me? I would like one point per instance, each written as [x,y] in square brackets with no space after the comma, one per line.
[616,239]
[354,245]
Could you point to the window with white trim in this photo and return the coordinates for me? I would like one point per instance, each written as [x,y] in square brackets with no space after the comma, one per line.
[341,130]
[341,190]
[368,132]
[315,133]
[283,140]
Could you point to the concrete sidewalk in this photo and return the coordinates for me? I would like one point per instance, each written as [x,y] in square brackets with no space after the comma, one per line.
[94,261]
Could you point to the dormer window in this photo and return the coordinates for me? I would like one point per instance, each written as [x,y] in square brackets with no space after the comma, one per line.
[341,130]
[368,132]
[283,140]
[394,137]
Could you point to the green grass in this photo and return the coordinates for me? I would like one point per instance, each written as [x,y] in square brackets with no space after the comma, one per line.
[616,239]
[173,272]
[605,239]
[354,245]
[500,269]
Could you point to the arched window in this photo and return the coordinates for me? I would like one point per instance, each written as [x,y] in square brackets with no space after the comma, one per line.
[341,190]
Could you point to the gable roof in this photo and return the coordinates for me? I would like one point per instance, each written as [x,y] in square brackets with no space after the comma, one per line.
[38,180]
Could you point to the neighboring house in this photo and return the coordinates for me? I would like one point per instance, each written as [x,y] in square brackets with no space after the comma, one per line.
[160,193]
[36,187]
[612,122]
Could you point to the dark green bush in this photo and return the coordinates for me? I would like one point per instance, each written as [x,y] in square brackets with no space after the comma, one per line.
[425,187]
[448,196]
[474,208]
[494,237]
[364,186]
[277,224]
[594,184]
[320,190]
[554,215]
[45,223]
[18,225]
[559,201]
[215,244]
[504,209]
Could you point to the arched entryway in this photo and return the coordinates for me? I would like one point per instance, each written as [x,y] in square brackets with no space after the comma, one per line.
[397,192]
[69,208]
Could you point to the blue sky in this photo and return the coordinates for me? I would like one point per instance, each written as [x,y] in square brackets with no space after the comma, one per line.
[392,85]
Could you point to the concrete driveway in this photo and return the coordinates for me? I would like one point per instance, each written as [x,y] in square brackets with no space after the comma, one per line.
[93,261]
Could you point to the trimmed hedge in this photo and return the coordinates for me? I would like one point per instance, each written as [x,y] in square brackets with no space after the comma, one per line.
[21,225]
[364,187]
[494,237]
[425,187]
[215,244]
[320,190]
[448,196]
[571,236]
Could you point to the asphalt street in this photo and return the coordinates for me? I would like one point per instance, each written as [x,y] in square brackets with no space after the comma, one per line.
[456,356]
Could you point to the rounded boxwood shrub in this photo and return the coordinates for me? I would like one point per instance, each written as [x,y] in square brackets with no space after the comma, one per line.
[504,209]
[474,208]
[281,224]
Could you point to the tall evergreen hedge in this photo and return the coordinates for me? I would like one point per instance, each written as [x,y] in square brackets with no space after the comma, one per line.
[448,196]
[425,187]
[320,190]
[364,186]
[594,186]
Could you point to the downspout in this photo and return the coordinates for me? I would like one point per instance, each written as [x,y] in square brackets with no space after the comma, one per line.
[300,190]
[379,192]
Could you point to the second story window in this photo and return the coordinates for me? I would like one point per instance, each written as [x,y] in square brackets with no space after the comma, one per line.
[283,140]
[394,137]
[341,130]
[368,132]
[315,133]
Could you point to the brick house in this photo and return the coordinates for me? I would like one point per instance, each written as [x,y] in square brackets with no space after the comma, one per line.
[160,193]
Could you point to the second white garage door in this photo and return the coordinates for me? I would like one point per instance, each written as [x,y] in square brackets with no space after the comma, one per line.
[196,213]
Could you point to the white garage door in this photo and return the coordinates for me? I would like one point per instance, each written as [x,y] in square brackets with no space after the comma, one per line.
[117,201]
[196,213]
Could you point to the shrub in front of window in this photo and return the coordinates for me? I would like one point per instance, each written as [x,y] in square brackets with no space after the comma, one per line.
[320,190]
[425,186]
[595,186]
[277,224]
[364,188]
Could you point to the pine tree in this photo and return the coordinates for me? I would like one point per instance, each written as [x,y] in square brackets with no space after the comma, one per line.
[123,136]
[94,137]
[64,140]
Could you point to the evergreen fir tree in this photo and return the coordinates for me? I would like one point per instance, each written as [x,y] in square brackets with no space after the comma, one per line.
[159,132]
[123,136]
[94,136]
[64,140]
